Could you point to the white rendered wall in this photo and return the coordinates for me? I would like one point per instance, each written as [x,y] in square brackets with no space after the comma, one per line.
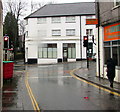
[34,36]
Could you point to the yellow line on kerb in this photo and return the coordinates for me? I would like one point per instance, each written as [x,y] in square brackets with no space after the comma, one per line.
[78,78]
[33,100]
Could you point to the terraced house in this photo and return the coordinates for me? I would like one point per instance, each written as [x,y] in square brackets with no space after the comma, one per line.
[55,32]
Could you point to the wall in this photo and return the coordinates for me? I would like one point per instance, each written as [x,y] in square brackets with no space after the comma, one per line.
[109,13]
[1,54]
[46,36]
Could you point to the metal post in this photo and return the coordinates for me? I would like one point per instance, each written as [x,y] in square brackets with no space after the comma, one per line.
[80,39]
[98,37]
[87,57]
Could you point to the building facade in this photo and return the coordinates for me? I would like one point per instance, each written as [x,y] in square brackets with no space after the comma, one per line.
[1,53]
[108,14]
[55,32]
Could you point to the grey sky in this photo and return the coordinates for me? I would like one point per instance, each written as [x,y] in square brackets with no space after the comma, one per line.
[43,2]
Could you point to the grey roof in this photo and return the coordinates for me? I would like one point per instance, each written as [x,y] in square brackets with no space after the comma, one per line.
[81,8]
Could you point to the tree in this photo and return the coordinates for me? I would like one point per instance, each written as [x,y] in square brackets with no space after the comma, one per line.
[37,5]
[10,28]
[17,7]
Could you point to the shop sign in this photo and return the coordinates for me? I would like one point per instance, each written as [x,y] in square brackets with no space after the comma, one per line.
[91,21]
[112,32]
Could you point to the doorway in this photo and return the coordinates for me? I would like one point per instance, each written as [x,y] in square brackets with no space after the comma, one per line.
[65,52]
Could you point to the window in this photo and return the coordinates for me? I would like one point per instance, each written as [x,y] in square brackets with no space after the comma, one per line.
[112,50]
[70,19]
[89,32]
[26,34]
[70,32]
[89,17]
[71,50]
[26,21]
[56,20]
[41,20]
[56,32]
[48,51]
[116,2]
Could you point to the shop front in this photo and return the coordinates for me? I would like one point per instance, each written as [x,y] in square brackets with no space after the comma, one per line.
[111,46]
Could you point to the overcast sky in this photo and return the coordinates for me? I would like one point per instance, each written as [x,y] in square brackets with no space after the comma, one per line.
[43,2]
[62,1]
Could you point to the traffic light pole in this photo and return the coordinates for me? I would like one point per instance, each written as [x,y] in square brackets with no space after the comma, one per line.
[87,56]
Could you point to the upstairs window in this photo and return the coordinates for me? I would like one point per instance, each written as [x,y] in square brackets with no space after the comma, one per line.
[70,19]
[41,20]
[56,20]
[70,32]
[26,22]
[56,32]
[89,32]
[89,17]
[116,2]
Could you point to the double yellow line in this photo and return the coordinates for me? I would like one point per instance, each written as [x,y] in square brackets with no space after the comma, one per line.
[33,100]
[102,88]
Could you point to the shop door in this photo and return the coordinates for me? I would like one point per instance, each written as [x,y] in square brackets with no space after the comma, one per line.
[65,54]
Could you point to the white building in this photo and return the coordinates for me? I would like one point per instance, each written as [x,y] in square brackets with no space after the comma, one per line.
[55,32]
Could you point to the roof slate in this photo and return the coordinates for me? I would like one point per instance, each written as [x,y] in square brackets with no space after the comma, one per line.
[67,9]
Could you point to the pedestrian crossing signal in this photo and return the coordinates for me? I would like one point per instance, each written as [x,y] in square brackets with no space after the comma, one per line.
[85,42]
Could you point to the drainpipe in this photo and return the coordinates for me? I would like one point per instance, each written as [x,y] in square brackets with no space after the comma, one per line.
[98,14]
[80,39]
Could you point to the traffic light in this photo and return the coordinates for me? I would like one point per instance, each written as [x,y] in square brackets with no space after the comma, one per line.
[85,42]
[6,42]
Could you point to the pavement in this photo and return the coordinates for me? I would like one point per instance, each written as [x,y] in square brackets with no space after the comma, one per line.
[14,94]
[90,76]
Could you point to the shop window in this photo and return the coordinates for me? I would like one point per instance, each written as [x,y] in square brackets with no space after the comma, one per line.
[106,54]
[119,56]
[71,50]
[47,51]
[112,50]
[115,55]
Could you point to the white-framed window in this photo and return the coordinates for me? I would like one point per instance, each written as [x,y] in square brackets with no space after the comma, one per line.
[26,34]
[116,2]
[56,19]
[56,32]
[70,32]
[89,31]
[89,17]
[26,21]
[70,19]
[48,51]
[41,20]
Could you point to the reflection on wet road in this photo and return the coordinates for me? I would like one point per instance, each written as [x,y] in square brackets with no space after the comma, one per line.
[55,89]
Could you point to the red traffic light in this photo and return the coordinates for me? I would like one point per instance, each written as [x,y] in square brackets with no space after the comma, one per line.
[85,42]
[85,38]
[6,38]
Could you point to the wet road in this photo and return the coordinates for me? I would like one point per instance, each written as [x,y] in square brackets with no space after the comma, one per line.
[55,89]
